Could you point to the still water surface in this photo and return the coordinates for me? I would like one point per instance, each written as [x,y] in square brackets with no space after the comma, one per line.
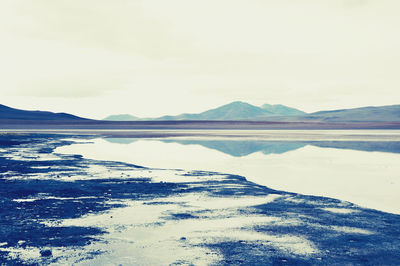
[366,173]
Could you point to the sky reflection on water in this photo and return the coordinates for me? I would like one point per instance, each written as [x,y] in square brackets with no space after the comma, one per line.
[365,173]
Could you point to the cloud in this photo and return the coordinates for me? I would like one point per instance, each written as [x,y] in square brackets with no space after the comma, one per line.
[305,53]
[355,3]
[119,26]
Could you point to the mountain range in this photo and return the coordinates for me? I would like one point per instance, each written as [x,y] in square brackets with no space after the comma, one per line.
[244,111]
[232,111]
[235,111]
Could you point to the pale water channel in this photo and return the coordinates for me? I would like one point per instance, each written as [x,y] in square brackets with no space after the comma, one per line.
[364,171]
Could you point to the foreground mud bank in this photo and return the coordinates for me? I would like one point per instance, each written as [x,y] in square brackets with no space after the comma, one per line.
[65,209]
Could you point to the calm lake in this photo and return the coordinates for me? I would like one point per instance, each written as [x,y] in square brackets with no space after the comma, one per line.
[363,172]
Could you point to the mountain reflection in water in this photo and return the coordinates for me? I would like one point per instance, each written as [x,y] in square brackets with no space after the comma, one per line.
[366,173]
[239,148]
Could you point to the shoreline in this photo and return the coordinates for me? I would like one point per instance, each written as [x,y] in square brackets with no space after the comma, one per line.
[281,135]
[195,124]
[125,213]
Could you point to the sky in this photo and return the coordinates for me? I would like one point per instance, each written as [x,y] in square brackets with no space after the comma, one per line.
[149,58]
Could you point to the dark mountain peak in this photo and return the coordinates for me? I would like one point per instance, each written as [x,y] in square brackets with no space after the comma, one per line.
[9,113]
[4,107]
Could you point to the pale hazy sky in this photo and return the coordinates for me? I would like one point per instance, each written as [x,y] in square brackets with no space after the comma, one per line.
[154,57]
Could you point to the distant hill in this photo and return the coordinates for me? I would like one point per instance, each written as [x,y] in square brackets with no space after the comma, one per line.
[123,117]
[388,113]
[8,113]
[279,109]
[233,111]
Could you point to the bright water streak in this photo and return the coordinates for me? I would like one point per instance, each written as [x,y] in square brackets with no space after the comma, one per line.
[369,179]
